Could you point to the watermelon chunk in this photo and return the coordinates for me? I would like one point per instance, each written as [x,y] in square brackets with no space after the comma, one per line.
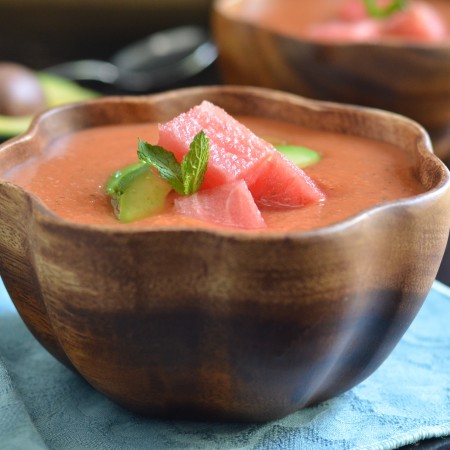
[354,10]
[234,149]
[280,183]
[419,22]
[230,204]
[236,153]
[363,30]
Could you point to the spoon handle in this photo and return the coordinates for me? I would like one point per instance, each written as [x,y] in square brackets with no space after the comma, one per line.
[87,69]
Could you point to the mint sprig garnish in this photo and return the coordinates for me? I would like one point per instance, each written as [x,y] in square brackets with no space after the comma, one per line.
[187,177]
[195,163]
[380,12]
[164,161]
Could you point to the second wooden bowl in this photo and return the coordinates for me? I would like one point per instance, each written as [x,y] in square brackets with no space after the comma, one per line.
[407,78]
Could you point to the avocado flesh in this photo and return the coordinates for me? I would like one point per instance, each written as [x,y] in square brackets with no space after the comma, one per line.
[300,156]
[58,91]
[137,192]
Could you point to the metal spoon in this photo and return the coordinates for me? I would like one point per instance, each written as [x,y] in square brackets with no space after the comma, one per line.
[162,59]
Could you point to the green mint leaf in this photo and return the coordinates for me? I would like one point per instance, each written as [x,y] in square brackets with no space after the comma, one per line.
[187,177]
[382,12]
[164,161]
[195,163]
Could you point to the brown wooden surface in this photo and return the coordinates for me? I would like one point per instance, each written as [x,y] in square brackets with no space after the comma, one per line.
[221,324]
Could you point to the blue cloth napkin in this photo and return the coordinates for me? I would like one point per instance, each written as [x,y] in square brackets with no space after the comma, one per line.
[43,405]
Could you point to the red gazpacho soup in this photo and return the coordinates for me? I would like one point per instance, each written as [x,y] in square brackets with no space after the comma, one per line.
[424,21]
[353,173]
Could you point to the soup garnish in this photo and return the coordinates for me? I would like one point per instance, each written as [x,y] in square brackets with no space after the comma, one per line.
[372,20]
[267,177]
[185,177]
[137,191]
[378,11]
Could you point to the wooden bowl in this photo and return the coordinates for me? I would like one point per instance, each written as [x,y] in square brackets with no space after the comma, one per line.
[221,324]
[410,79]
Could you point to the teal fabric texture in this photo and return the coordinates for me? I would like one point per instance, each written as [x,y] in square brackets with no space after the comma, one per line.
[45,406]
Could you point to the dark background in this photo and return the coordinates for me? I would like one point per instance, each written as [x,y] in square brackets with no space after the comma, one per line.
[40,33]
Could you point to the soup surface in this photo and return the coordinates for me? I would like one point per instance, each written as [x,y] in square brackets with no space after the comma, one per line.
[295,17]
[354,173]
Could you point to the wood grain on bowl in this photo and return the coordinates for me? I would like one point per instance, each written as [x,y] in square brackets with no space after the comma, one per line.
[410,78]
[223,324]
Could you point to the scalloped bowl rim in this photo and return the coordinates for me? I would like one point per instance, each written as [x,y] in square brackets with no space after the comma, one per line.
[341,225]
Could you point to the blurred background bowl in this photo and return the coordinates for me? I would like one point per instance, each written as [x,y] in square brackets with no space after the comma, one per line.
[410,79]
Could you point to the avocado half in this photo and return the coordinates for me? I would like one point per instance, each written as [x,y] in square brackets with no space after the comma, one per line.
[57,91]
